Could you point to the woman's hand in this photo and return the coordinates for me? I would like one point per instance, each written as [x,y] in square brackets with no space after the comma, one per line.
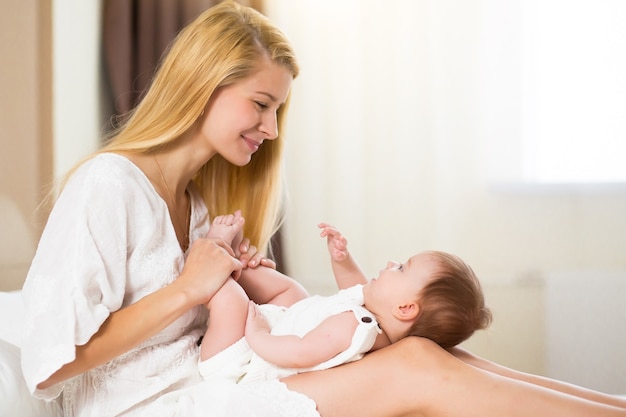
[251,258]
[209,264]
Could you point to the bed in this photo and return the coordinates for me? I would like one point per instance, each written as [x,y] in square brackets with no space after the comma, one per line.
[15,400]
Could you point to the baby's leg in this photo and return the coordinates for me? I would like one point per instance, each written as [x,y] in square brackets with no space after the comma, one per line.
[228,227]
[228,310]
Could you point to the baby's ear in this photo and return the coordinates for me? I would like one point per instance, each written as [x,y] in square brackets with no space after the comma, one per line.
[407,312]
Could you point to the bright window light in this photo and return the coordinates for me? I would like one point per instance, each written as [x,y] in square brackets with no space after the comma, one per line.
[574,91]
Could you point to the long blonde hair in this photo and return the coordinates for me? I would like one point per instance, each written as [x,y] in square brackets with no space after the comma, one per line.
[220,47]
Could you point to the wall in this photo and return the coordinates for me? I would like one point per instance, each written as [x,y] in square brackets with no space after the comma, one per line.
[586,310]
[391,138]
[77,81]
[25,131]
[41,134]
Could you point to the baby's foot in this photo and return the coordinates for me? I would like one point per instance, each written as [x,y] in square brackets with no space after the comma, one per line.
[228,227]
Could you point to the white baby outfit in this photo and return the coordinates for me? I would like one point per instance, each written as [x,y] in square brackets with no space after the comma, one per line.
[240,364]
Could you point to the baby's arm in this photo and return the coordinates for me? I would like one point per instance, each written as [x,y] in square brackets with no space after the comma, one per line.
[345,268]
[331,337]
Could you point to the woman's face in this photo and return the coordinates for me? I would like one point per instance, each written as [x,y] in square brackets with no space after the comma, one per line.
[240,116]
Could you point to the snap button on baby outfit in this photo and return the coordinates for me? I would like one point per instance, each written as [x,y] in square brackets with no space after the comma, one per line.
[366,319]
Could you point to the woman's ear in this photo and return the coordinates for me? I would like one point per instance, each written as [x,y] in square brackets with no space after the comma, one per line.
[407,311]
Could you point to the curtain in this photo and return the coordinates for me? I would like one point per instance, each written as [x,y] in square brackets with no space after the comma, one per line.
[135,34]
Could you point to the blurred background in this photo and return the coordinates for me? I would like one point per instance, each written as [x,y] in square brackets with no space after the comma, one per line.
[493,129]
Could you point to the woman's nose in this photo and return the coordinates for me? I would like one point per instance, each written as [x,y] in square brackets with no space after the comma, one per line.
[269,125]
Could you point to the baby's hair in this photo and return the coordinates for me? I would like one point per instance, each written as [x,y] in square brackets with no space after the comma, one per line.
[452,304]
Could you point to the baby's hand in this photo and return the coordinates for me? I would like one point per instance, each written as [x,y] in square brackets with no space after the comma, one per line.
[255,323]
[337,243]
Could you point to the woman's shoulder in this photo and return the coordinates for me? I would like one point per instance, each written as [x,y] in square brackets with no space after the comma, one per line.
[105,179]
[108,171]
[108,166]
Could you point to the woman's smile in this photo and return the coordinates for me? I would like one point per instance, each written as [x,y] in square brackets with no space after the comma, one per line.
[252,144]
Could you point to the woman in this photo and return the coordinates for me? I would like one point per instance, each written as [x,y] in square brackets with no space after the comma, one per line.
[115,293]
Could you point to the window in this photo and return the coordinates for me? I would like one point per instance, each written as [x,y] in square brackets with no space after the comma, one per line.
[573,91]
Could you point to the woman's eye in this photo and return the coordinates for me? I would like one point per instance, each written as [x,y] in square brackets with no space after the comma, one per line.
[261,105]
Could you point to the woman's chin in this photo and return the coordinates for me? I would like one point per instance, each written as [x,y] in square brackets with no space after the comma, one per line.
[240,160]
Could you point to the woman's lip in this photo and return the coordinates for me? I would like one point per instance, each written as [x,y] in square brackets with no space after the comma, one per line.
[252,144]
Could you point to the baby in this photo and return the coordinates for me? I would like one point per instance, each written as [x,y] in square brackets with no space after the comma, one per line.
[434,294]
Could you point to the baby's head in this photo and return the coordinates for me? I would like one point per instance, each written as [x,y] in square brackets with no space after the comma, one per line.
[434,295]
[451,304]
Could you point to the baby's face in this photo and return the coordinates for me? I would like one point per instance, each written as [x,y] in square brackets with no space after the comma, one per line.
[400,282]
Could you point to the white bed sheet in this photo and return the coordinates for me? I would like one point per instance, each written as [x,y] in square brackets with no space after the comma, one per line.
[15,400]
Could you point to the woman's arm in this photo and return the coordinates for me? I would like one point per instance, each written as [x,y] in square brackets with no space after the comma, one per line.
[208,266]
[331,337]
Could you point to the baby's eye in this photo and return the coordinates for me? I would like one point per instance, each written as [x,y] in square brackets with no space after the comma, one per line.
[400,267]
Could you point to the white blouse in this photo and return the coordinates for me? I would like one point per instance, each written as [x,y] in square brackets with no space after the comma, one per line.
[109,241]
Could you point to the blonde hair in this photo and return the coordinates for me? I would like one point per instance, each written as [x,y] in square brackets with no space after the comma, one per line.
[452,304]
[220,47]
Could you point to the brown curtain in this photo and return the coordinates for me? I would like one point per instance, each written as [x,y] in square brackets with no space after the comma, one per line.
[135,34]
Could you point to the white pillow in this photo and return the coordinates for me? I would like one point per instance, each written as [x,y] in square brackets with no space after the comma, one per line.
[15,400]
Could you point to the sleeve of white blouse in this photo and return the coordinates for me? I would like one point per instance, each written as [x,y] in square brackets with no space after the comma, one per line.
[77,276]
